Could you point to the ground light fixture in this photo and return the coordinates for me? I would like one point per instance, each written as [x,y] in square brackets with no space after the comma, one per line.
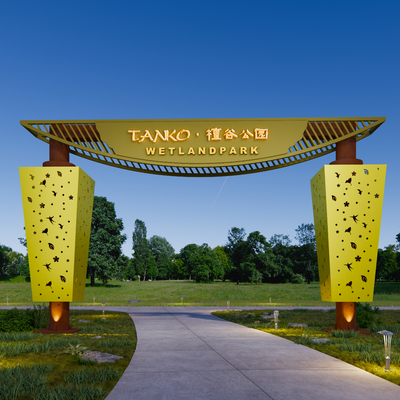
[276,314]
[228,303]
[103,305]
[387,340]
[94,301]
[7,300]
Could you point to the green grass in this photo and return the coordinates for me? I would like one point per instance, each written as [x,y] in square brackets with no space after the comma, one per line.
[363,351]
[169,293]
[36,366]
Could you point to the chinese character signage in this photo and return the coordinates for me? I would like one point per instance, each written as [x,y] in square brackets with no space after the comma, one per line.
[200,143]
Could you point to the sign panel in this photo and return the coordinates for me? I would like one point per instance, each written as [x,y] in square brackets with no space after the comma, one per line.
[201,143]
[347,202]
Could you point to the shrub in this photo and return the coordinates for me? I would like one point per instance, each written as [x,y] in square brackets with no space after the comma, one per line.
[298,278]
[15,321]
[365,315]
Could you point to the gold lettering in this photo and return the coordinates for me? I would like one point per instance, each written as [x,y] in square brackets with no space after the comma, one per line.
[171,150]
[147,135]
[179,134]
[169,135]
[134,132]
[191,150]
[222,150]
[161,151]
[243,150]
[202,150]
[180,152]
[212,150]
[232,151]
[158,134]
[253,150]
[150,151]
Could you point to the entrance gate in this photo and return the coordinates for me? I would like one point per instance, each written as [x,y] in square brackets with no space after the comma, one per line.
[57,197]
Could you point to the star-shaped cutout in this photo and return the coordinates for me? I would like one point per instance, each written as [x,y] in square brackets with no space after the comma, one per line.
[337,231]
[338,185]
[346,204]
[41,205]
[33,187]
[47,175]
[56,259]
[358,258]
[354,173]
[41,220]
[71,197]
[377,196]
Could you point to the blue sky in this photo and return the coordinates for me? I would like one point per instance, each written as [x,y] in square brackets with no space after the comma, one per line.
[208,59]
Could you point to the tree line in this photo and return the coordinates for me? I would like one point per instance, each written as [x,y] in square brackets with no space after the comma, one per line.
[243,258]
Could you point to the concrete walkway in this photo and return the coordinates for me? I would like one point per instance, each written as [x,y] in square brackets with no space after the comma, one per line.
[186,353]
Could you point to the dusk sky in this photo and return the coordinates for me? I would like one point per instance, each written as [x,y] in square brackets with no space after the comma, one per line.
[81,60]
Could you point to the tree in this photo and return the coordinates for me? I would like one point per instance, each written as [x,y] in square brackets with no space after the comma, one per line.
[280,239]
[140,248]
[163,252]
[152,270]
[305,234]
[224,261]
[386,266]
[105,242]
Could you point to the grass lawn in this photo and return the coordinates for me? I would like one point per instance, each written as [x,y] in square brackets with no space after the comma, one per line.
[189,293]
[47,367]
[363,351]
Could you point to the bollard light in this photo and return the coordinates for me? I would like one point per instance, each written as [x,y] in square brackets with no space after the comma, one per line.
[228,303]
[103,304]
[94,301]
[182,301]
[139,277]
[387,340]
[276,314]
[7,300]
[270,301]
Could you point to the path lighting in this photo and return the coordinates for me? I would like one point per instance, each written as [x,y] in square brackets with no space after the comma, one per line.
[94,301]
[387,340]
[103,304]
[276,314]
[182,301]
[270,301]
[7,300]
[228,303]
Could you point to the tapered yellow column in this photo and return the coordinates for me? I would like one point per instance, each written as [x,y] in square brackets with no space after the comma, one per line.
[57,204]
[347,203]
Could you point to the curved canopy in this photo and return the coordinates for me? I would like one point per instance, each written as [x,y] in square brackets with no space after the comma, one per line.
[205,147]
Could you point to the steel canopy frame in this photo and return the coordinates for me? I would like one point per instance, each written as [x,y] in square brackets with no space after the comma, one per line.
[319,138]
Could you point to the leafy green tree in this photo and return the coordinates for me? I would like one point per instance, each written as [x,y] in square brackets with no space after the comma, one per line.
[201,263]
[188,255]
[177,271]
[140,248]
[163,252]
[225,264]
[105,242]
[387,267]
[305,261]
[281,239]
[152,270]
[305,234]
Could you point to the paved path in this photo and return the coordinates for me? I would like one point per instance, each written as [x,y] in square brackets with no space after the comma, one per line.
[186,353]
